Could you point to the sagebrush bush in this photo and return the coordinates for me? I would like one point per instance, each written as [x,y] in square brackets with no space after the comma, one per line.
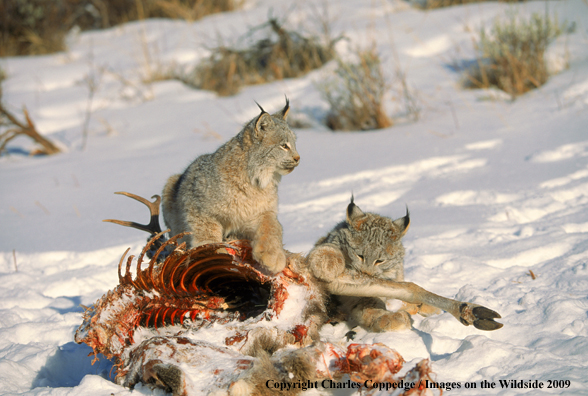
[512,53]
[356,93]
[30,27]
[279,54]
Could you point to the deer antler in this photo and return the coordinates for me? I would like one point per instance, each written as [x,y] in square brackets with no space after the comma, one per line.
[153,227]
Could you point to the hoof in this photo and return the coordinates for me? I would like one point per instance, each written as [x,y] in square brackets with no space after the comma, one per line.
[481,317]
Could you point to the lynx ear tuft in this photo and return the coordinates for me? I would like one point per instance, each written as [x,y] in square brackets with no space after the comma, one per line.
[260,108]
[355,216]
[284,113]
[402,224]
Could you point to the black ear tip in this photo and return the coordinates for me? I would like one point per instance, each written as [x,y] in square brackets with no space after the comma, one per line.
[286,108]
[350,207]
[260,108]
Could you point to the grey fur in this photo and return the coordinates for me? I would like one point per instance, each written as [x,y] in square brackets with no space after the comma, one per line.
[233,192]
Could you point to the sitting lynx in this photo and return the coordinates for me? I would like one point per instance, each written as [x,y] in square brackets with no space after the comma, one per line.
[361,261]
[234,191]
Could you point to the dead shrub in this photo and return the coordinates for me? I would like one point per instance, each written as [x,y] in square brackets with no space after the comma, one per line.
[31,27]
[279,54]
[11,127]
[356,94]
[433,4]
[512,53]
[193,10]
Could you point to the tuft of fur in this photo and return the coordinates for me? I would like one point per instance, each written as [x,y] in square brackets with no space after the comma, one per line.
[285,366]
[166,376]
[233,192]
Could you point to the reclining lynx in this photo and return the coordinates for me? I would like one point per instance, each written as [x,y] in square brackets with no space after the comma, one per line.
[234,191]
[361,261]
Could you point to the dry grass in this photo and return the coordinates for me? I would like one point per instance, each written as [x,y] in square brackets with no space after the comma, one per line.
[433,4]
[194,9]
[356,94]
[512,53]
[279,54]
[31,27]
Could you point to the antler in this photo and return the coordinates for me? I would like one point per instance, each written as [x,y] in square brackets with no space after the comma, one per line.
[153,227]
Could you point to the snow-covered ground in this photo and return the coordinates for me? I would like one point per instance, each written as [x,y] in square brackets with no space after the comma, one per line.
[497,189]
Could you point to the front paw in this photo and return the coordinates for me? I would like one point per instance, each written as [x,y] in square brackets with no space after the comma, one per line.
[274,260]
[481,317]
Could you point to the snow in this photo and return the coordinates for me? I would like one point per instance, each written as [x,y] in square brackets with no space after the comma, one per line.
[497,189]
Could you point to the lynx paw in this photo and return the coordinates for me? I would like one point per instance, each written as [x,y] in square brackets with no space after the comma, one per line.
[326,262]
[481,317]
[391,321]
[272,259]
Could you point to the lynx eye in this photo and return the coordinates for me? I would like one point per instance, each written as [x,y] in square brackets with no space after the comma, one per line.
[285,146]
[359,256]
[378,262]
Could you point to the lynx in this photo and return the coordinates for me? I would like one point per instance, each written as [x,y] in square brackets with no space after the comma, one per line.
[361,261]
[233,192]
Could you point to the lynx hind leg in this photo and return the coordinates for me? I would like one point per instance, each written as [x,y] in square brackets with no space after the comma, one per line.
[326,262]
[267,244]
[170,209]
[371,314]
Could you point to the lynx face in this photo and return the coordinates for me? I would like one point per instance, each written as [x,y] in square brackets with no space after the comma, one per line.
[275,153]
[372,243]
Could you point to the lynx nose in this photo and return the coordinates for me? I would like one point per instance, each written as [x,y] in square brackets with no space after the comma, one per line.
[296,158]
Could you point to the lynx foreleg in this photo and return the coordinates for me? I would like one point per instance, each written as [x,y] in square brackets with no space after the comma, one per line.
[267,243]
[361,285]
[204,230]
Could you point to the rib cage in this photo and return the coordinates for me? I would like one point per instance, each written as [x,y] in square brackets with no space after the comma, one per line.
[197,281]
[208,284]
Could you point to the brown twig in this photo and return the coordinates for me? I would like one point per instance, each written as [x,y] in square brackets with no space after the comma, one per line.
[26,128]
[14,258]
[42,207]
